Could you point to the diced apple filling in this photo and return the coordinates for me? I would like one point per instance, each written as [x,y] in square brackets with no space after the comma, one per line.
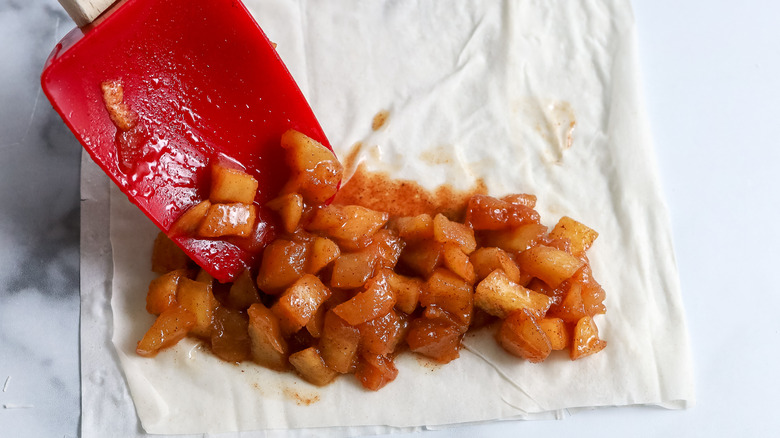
[343,289]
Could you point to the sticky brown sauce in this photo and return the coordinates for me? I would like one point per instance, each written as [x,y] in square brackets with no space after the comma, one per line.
[379,120]
[300,398]
[376,190]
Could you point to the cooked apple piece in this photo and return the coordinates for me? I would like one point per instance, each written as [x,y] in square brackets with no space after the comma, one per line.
[243,292]
[283,263]
[586,339]
[290,209]
[204,277]
[347,223]
[323,251]
[230,336]
[550,265]
[387,247]
[261,235]
[351,270]
[556,332]
[570,308]
[310,365]
[580,236]
[316,322]
[487,260]
[447,231]
[487,213]
[438,339]
[197,298]
[414,228]
[375,371]
[167,256]
[229,186]
[372,303]
[315,172]
[298,304]
[515,239]
[169,328]
[521,199]
[499,296]
[521,336]
[162,291]
[406,290]
[189,222]
[114,99]
[422,257]
[450,293]
[339,343]
[593,299]
[381,335]
[458,262]
[268,346]
[592,293]
[228,220]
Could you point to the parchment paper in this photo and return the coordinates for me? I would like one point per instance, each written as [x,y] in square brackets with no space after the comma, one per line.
[536,97]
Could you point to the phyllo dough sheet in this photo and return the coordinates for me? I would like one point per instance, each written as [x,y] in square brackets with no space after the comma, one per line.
[523,96]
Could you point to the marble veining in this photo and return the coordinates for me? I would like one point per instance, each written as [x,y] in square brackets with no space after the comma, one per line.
[39,233]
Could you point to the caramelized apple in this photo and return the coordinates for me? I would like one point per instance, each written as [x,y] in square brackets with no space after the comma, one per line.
[521,335]
[197,298]
[283,263]
[323,251]
[447,231]
[310,365]
[298,304]
[383,334]
[451,294]
[290,209]
[550,265]
[586,339]
[228,220]
[580,236]
[315,171]
[499,296]
[230,335]
[487,260]
[268,346]
[375,371]
[230,186]
[372,303]
[162,291]
[438,339]
[339,343]
[169,328]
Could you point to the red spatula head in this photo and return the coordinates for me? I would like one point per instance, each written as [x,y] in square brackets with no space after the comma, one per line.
[206,85]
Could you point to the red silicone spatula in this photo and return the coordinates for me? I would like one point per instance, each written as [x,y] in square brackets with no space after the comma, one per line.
[206,85]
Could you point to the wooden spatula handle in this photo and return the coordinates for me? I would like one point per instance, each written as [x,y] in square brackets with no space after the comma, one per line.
[84,11]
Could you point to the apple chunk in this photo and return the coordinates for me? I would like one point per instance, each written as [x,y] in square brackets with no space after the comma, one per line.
[315,170]
[268,347]
[310,365]
[229,186]
[548,264]
[169,328]
[298,304]
[521,335]
[499,296]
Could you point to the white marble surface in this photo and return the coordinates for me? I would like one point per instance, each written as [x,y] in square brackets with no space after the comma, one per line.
[39,233]
[710,72]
